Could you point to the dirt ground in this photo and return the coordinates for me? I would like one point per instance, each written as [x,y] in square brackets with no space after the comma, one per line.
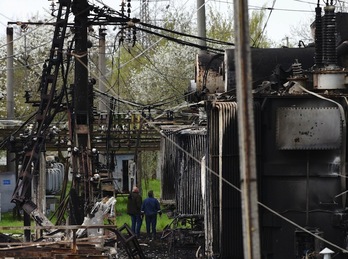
[163,248]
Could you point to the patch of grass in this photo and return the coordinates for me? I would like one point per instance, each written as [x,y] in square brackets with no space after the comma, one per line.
[122,217]
[7,220]
[121,207]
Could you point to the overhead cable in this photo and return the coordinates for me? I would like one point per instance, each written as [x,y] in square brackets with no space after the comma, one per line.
[259,37]
[209,40]
[179,41]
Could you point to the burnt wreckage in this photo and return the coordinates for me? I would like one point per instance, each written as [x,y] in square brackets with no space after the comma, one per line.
[78,103]
[300,113]
[89,201]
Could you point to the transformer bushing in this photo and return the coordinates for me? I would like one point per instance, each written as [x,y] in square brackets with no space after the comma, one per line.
[329,42]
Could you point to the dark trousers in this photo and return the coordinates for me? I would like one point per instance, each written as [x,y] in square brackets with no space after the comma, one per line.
[151,222]
[136,223]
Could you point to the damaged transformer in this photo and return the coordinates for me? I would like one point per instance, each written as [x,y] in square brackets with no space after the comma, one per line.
[300,113]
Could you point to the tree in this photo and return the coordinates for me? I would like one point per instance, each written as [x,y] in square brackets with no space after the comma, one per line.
[302,32]
[161,74]
[165,75]
[221,28]
[256,29]
[32,44]
[156,76]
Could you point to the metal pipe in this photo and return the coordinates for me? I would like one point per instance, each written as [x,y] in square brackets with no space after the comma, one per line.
[201,26]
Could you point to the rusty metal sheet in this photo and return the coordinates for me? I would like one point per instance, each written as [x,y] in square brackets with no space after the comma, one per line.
[209,76]
[301,128]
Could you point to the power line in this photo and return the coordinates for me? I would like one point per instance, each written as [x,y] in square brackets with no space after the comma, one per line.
[182,42]
[209,40]
[29,32]
[306,2]
[143,106]
[279,9]
[258,39]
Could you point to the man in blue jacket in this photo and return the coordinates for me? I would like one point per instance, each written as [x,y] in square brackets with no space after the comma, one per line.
[150,208]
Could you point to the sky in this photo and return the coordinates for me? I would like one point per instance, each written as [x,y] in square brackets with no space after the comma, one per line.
[286,16]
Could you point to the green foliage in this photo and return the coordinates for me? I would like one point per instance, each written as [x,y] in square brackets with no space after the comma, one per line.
[30,48]
[7,219]
[148,167]
[122,217]
[165,75]
[256,29]
[219,27]
[179,20]
[141,73]
[124,64]
[148,74]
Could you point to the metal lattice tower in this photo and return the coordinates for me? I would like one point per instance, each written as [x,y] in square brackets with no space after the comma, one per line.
[145,18]
[144,11]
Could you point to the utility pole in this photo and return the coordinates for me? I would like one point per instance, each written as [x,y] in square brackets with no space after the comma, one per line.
[10,74]
[201,24]
[251,236]
[11,163]
[80,9]
[82,103]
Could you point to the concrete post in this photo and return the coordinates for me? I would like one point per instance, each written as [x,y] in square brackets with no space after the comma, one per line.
[10,74]
[11,161]
[201,25]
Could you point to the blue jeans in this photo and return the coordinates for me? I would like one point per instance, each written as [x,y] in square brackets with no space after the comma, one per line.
[136,223]
[151,221]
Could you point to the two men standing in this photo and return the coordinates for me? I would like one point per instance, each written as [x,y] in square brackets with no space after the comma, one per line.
[136,208]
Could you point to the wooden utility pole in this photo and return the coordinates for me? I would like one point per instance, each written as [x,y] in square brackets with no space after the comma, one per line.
[82,107]
[80,9]
[251,236]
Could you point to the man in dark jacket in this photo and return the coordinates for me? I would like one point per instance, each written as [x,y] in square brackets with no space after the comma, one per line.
[134,210]
[150,208]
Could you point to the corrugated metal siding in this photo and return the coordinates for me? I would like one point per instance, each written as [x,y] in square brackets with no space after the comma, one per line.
[182,150]
[188,186]
[168,168]
[225,207]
